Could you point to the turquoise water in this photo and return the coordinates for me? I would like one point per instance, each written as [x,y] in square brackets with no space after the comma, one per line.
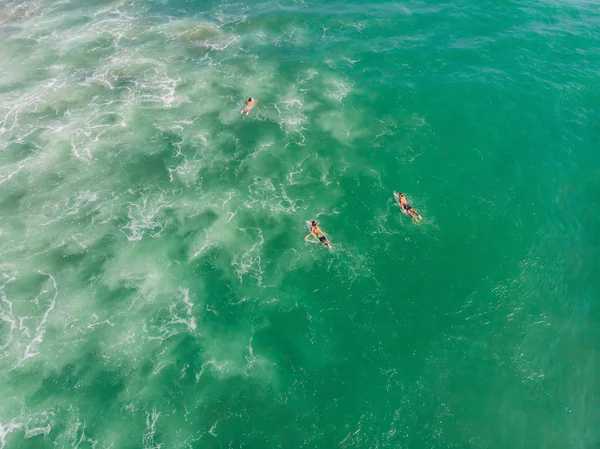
[155,287]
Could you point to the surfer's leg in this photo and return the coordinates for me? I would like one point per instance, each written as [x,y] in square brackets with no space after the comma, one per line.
[324,241]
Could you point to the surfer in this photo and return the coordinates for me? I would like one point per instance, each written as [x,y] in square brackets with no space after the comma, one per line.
[249,105]
[406,208]
[316,231]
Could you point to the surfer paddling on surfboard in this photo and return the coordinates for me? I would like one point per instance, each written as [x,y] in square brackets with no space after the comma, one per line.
[406,208]
[316,231]
[249,105]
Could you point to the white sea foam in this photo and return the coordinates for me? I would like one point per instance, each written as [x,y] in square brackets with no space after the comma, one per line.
[122,268]
[144,220]
[189,319]
[249,263]
[32,348]
[5,429]
[262,194]
[31,424]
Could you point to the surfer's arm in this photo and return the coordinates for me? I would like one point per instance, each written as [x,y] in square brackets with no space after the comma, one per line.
[309,234]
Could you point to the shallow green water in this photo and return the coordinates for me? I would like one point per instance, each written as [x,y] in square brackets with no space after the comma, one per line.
[155,287]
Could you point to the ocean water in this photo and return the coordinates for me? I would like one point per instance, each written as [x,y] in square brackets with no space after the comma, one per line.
[155,287]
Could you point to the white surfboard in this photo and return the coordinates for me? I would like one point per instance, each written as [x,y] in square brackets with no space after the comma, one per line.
[397,198]
[309,227]
[415,218]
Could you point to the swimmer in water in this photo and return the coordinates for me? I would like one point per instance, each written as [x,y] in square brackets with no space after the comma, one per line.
[316,231]
[406,208]
[249,105]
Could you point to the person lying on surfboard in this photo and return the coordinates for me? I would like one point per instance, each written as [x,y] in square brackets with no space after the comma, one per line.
[406,208]
[316,231]
[249,105]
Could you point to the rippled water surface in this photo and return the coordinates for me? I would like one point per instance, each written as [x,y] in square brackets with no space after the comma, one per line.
[155,287]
